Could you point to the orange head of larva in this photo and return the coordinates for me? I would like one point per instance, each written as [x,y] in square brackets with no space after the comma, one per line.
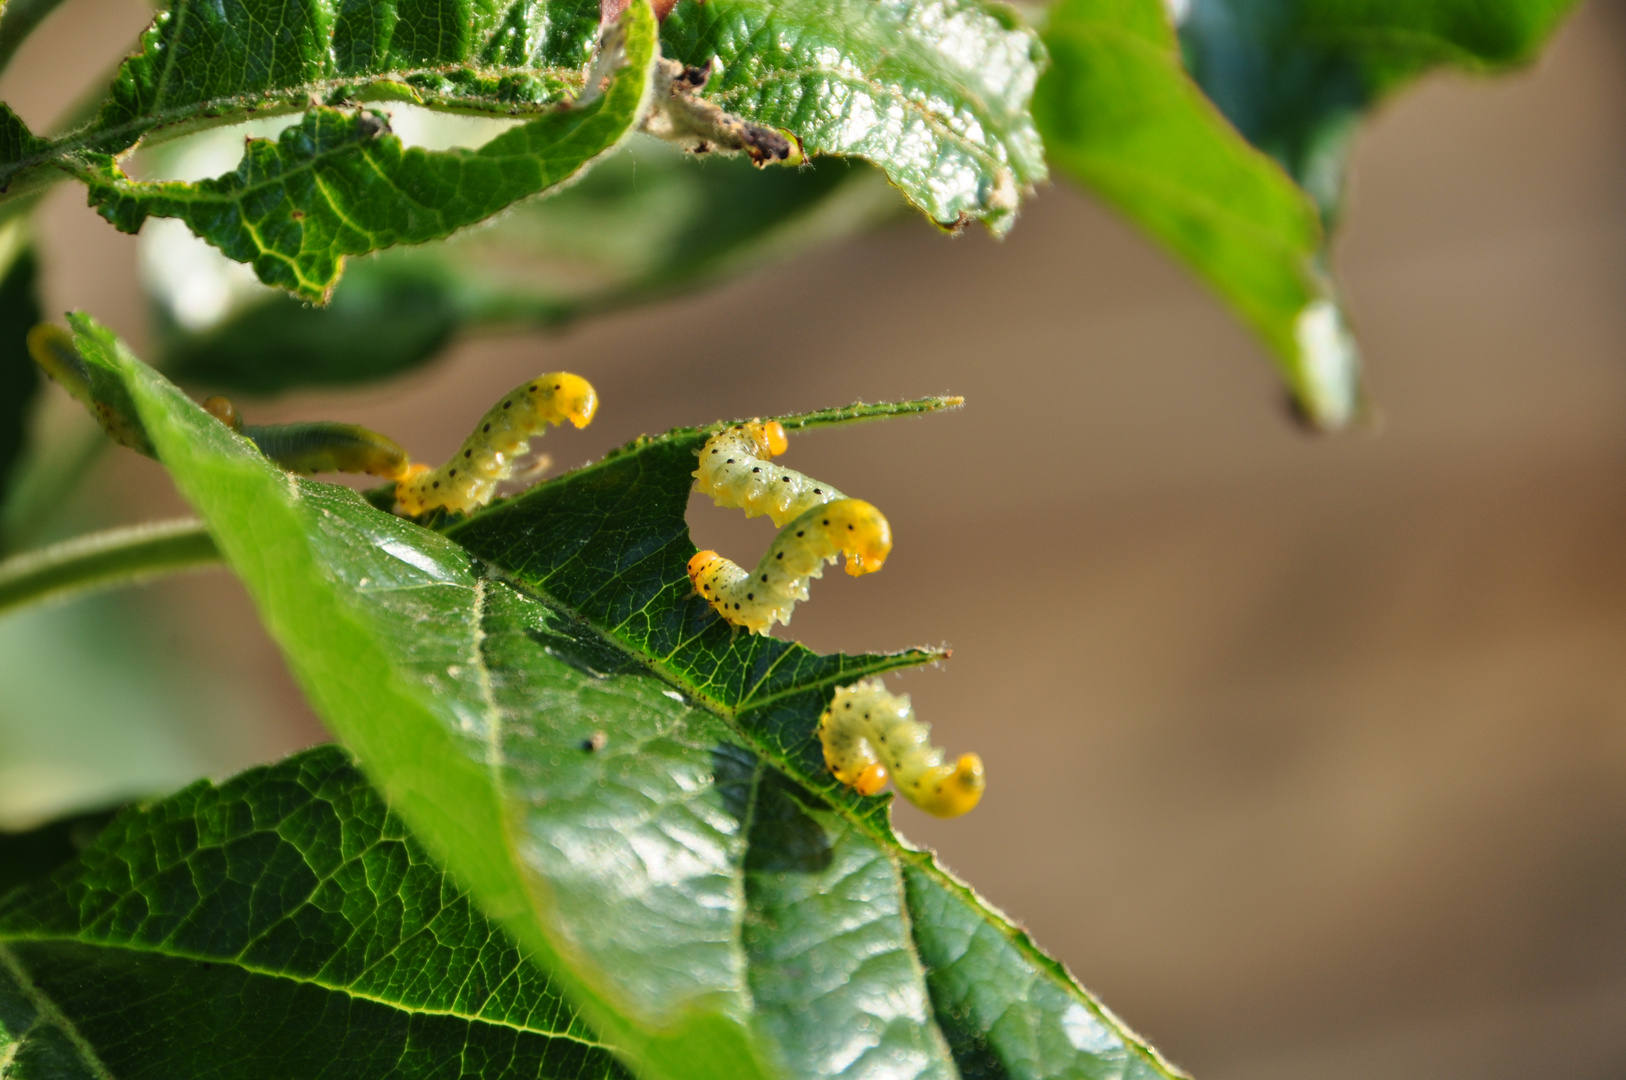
[699,564]
[871,780]
[224,411]
[567,397]
[862,532]
[961,790]
[769,437]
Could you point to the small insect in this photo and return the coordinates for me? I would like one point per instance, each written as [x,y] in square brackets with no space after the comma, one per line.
[758,599]
[102,394]
[318,447]
[470,479]
[870,735]
[735,471]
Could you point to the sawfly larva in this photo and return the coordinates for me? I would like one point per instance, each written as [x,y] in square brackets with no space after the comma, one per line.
[736,472]
[758,599]
[470,479]
[870,734]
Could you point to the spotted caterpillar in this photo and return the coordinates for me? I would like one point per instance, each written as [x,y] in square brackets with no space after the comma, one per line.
[318,447]
[735,472]
[470,479]
[869,734]
[758,599]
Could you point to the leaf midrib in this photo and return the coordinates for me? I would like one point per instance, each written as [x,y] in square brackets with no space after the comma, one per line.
[48,1012]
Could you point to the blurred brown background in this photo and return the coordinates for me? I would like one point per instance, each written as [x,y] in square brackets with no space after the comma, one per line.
[1307,755]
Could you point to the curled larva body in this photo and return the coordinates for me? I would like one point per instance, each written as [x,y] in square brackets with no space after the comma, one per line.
[758,599]
[486,458]
[735,471]
[870,734]
[318,446]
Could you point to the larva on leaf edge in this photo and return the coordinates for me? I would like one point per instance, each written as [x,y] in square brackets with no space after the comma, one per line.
[871,735]
[758,599]
[469,480]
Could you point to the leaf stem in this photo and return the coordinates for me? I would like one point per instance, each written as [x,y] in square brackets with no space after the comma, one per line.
[104,560]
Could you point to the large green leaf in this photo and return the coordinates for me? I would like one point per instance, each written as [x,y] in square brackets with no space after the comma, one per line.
[1296,75]
[283,924]
[646,223]
[934,91]
[1120,115]
[717,904]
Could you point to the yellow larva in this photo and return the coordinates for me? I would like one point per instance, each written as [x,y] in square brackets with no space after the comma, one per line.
[470,479]
[319,446]
[870,734]
[735,471]
[758,599]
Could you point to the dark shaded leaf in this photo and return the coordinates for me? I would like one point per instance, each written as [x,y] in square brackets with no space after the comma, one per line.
[281,924]
[36,853]
[19,378]
[1295,76]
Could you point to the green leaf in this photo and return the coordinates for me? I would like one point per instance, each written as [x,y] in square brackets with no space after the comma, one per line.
[935,92]
[282,924]
[19,378]
[718,906]
[645,223]
[1120,115]
[1295,76]
[340,183]
[35,853]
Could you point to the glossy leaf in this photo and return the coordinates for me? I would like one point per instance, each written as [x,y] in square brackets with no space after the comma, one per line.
[646,223]
[1295,76]
[19,378]
[341,184]
[1120,115]
[718,906]
[281,924]
[936,92]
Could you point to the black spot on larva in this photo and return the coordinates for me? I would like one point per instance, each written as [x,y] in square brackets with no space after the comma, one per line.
[470,453]
[557,385]
[764,577]
[749,596]
[486,428]
[816,491]
[849,528]
[730,461]
[786,479]
[508,404]
[827,521]
[736,607]
[781,555]
[802,533]
[716,451]
[452,473]
[756,470]
[437,483]
[533,388]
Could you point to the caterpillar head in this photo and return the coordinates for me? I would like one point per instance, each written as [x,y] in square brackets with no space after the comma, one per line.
[699,564]
[224,411]
[863,532]
[959,791]
[562,396]
[769,438]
